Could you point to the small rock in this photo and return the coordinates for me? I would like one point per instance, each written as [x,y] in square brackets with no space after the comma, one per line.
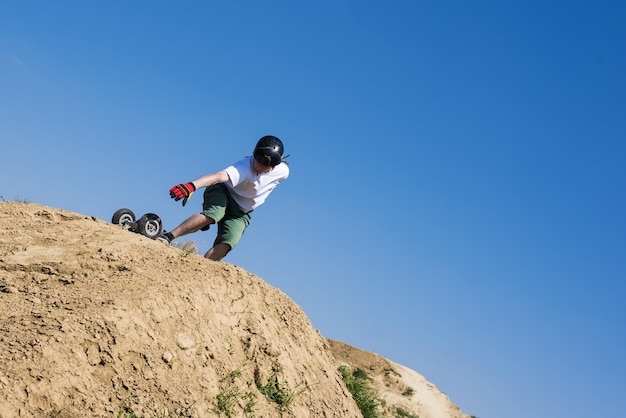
[184,342]
[9,289]
[167,357]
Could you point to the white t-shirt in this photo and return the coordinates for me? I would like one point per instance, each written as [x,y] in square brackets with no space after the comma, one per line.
[250,189]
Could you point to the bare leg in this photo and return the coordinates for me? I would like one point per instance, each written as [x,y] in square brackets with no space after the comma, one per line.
[192,224]
[218,252]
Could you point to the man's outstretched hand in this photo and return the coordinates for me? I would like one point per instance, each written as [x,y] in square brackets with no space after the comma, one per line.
[182,191]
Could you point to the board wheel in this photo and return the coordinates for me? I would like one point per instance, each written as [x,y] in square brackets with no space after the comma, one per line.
[150,225]
[124,217]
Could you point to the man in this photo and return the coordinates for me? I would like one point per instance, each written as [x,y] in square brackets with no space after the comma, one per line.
[231,195]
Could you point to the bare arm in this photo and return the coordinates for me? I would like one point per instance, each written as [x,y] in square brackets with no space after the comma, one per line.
[211,179]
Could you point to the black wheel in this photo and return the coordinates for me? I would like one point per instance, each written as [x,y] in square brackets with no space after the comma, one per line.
[150,225]
[124,217]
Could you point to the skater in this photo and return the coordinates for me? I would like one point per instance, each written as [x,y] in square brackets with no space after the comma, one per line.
[231,195]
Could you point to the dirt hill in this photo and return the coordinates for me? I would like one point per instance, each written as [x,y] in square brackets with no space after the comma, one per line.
[99,321]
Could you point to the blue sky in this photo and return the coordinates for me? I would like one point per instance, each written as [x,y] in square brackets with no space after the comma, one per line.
[457,192]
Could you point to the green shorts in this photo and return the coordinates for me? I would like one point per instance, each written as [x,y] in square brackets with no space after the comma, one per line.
[231,221]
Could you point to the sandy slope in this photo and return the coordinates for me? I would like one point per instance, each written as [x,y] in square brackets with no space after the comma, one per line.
[398,386]
[96,320]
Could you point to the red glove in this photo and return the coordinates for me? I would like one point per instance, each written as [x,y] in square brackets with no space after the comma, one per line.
[182,191]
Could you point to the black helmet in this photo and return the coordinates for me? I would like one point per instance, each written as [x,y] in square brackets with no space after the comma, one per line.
[269,151]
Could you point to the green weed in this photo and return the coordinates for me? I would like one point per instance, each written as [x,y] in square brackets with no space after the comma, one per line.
[358,383]
[125,410]
[277,393]
[408,392]
[390,371]
[403,413]
[230,396]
